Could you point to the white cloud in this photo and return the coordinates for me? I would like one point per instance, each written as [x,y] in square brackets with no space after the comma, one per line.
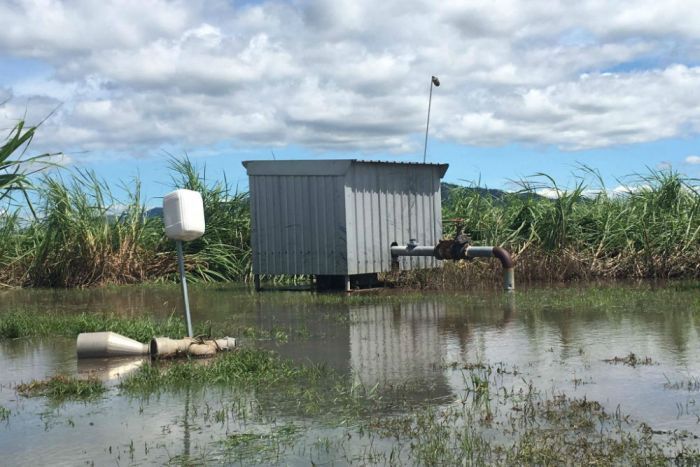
[692,160]
[551,193]
[54,28]
[353,75]
[630,189]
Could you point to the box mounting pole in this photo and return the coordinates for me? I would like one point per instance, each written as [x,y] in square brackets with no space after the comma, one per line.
[183,283]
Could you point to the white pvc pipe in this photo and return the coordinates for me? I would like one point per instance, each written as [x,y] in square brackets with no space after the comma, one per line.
[108,344]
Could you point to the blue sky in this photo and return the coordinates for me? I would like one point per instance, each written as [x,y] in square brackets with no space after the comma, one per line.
[527,87]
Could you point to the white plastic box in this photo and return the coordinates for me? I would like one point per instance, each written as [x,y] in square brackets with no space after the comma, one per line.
[183,215]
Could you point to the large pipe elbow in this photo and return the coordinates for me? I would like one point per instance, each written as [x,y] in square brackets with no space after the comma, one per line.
[502,255]
[508,267]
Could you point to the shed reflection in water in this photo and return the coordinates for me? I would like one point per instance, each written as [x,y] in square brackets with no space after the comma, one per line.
[558,340]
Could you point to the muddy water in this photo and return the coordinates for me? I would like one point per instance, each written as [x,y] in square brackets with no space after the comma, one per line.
[557,338]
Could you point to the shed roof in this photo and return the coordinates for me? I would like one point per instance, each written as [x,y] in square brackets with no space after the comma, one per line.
[322,166]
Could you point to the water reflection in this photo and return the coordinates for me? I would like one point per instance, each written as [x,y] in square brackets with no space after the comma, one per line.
[391,341]
[388,345]
[110,369]
[394,344]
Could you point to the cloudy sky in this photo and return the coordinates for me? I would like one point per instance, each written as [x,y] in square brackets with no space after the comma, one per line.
[527,86]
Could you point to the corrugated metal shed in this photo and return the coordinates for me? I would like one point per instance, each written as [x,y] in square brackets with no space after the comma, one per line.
[340,217]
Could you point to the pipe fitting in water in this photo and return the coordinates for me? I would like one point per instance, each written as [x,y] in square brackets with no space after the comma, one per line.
[108,344]
[111,344]
[163,347]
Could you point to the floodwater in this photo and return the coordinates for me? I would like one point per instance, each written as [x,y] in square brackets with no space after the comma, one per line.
[558,339]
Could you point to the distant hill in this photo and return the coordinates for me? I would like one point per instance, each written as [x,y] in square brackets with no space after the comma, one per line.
[154,212]
[448,188]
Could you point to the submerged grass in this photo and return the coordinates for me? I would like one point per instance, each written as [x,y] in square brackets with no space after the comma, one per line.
[23,324]
[271,411]
[630,359]
[489,424]
[60,388]
[260,447]
[20,324]
[243,366]
[4,413]
[523,427]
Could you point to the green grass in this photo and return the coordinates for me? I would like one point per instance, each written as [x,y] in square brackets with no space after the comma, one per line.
[20,324]
[279,385]
[61,388]
[630,359]
[243,366]
[23,324]
[588,232]
[277,409]
[83,235]
[15,168]
[321,414]
[259,447]
[4,413]
[524,427]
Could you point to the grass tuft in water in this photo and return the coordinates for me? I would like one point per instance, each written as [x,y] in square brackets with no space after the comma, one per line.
[690,383]
[630,360]
[4,413]
[18,324]
[243,366]
[61,388]
[260,447]
[279,384]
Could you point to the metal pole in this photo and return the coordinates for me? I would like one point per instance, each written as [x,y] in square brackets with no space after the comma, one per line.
[183,282]
[427,124]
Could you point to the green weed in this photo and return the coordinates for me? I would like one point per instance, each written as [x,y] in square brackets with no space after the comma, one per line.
[17,324]
[60,388]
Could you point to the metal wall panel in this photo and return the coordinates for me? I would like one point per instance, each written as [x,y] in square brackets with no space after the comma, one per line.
[388,203]
[298,224]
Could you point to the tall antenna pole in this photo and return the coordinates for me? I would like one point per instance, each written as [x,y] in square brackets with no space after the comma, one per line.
[433,81]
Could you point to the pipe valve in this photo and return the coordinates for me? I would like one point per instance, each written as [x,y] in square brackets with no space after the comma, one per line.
[456,249]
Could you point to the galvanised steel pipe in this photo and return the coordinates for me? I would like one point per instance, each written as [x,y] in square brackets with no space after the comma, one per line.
[412,250]
[468,253]
[502,255]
